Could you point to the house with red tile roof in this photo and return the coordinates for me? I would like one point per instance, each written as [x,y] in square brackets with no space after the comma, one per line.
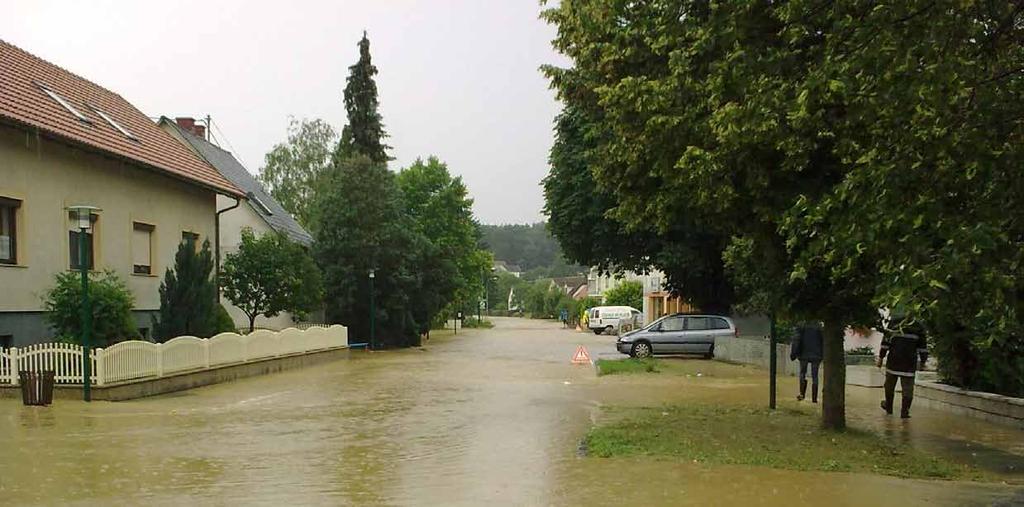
[67,141]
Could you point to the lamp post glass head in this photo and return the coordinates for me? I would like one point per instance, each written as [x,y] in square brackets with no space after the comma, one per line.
[373,274]
[84,215]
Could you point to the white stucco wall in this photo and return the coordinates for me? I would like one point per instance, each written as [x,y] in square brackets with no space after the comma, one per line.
[231,225]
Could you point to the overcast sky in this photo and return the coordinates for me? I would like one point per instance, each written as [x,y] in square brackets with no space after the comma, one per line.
[458,78]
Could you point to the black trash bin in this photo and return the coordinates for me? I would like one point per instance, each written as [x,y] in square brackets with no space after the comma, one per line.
[36,387]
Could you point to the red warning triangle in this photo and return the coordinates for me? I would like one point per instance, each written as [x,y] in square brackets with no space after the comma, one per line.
[581,356]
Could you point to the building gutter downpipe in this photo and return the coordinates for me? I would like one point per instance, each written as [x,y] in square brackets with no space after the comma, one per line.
[216,241]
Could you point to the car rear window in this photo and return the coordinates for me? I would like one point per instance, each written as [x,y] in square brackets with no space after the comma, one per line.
[719,323]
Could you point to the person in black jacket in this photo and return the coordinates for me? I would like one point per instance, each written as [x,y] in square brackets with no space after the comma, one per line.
[903,347]
[808,346]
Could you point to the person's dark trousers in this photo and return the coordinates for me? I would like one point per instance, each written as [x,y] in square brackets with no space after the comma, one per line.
[814,379]
[907,383]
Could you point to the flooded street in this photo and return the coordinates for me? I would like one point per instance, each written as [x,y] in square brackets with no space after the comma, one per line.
[484,417]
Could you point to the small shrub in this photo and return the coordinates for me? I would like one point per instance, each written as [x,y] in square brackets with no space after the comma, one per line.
[474,323]
[111,303]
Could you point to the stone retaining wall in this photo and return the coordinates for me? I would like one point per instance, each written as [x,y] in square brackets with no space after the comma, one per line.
[991,407]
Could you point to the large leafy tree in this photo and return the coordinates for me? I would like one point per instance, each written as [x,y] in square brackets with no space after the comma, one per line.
[271,274]
[364,134]
[857,155]
[364,227]
[579,212]
[188,295]
[442,210]
[292,169]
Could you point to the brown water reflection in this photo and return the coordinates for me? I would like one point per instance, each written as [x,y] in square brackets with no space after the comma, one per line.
[486,417]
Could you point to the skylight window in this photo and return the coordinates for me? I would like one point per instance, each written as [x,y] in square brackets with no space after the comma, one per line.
[60,100]
[259,204]
[114,124]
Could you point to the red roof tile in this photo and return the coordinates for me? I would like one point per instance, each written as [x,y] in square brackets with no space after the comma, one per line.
[23,101]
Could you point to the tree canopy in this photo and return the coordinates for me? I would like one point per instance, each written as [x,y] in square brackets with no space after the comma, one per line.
[292,169]
[442,210]
[855,156]
[271,274]
[188,295]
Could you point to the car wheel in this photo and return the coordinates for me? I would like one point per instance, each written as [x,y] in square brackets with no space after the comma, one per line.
[711,353]
[609,330]
[641,350]
[598,331]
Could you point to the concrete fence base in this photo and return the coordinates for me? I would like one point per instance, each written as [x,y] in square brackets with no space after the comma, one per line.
[190,380]
[927,392]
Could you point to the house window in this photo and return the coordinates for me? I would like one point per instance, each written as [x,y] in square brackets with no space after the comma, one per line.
[9,230]
[75,235]
[64,103]
[190,237]
[114,124]
[142,248]
[6,342]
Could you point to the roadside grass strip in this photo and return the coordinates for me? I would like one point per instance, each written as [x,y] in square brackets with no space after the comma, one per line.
[788,438]
[621,366]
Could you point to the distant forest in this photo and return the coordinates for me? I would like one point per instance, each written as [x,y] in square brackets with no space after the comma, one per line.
[531,247]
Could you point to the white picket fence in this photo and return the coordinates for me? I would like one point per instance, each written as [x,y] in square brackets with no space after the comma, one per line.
[136,360]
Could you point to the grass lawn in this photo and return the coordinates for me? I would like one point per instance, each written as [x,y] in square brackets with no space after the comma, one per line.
[746,435]
[617,366]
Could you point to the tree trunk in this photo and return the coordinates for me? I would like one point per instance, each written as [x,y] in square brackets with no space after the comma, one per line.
[833,399]
[252,323]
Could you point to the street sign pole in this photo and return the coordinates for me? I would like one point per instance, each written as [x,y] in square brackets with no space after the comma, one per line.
[773,368]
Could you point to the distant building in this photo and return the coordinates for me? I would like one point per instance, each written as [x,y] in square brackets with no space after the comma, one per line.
[67,141]
[658,302]
[574,286]
[504,267]
[259,212]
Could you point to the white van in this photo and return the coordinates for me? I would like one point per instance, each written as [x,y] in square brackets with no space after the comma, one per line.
[610,319]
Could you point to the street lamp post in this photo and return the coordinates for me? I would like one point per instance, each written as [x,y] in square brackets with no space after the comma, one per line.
[84,215]
[373,314]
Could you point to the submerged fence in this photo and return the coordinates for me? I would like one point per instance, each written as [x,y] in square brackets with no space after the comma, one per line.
[137,360]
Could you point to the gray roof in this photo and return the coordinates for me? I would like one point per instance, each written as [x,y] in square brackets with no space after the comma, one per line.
[222,160]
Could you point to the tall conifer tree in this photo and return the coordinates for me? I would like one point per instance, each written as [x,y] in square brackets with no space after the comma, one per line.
[364,134]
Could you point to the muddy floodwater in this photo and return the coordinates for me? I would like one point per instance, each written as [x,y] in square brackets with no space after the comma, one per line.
[489,417]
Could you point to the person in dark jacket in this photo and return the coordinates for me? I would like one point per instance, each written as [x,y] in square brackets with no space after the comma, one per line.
[901,350]
[808,346]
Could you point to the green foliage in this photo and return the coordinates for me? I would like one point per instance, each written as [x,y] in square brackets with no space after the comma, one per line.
[474,323]
[364,226]
[188,295]
[442,211]
[854,157]
[292,169]
[542,300]
[628,293]
[111,303]
[631,365]
[364,134]
[271,274]
[580,216]
[222,321]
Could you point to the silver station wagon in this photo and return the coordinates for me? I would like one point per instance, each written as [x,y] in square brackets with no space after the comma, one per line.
[677,334]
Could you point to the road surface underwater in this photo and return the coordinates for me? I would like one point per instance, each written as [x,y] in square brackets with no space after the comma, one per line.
[484,417]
